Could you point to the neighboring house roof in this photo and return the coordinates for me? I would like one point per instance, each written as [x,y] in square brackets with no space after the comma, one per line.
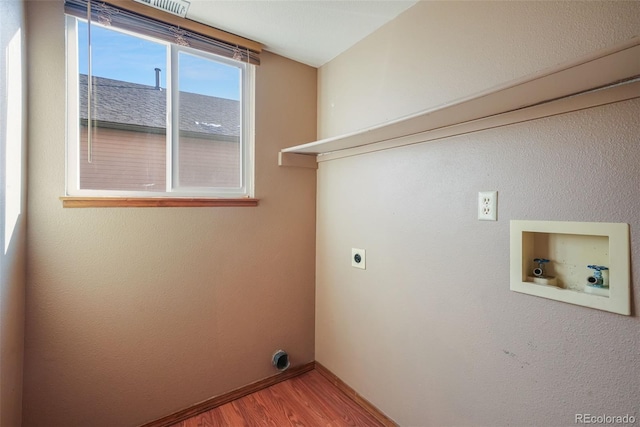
[127,105]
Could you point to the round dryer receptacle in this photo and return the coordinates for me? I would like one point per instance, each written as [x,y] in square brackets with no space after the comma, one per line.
[280,360]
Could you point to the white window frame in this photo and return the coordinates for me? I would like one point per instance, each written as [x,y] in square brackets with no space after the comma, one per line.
[247,133]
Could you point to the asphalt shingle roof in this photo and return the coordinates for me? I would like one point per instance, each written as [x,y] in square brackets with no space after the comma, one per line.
[132,104]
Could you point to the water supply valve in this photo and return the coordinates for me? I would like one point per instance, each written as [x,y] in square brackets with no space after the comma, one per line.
[597,279]
[539,271]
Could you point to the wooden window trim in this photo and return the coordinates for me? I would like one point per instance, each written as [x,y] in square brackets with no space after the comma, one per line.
[154,202]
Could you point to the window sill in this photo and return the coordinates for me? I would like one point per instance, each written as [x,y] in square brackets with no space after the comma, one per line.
[153,202]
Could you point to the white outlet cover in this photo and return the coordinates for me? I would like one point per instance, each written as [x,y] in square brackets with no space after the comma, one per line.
[488,205]
[360,254]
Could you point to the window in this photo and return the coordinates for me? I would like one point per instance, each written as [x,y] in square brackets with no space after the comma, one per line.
[147,117]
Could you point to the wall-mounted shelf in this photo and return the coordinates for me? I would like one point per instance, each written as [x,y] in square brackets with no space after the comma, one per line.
[604,77]
[570,247]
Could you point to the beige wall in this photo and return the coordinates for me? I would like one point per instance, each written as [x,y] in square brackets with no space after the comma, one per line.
[430,332]
[440,51]
[12,205]
[135,313]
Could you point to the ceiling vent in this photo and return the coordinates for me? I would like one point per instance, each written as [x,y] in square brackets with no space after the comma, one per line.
[175,7]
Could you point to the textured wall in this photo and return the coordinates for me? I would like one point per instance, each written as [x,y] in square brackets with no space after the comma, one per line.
[440,51]
[12,204]
[430,332]
[135,313]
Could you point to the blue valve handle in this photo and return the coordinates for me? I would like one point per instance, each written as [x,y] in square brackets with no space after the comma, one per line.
[597,268]
[540,261]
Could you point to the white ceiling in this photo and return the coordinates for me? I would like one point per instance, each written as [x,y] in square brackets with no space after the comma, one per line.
[309,31]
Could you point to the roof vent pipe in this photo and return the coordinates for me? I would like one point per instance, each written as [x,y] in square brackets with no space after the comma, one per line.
[158,78]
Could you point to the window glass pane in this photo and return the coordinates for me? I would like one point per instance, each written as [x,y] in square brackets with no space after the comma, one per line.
[209,153]
[128,113]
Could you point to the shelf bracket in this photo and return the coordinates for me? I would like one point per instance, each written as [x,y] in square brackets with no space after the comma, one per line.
[297,160]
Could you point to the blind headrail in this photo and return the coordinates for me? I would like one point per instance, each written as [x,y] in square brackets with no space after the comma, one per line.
[142,19]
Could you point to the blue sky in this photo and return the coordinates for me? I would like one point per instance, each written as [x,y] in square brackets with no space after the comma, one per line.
[120,56]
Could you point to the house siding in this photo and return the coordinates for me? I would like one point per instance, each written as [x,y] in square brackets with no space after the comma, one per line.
[136,161]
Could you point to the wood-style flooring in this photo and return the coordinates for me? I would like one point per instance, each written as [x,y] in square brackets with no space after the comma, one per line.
[308,400]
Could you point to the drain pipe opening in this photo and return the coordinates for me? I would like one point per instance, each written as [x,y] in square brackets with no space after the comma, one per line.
[280,360]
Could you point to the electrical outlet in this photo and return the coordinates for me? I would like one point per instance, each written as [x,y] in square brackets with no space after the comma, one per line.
[488,205]
[358,258]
